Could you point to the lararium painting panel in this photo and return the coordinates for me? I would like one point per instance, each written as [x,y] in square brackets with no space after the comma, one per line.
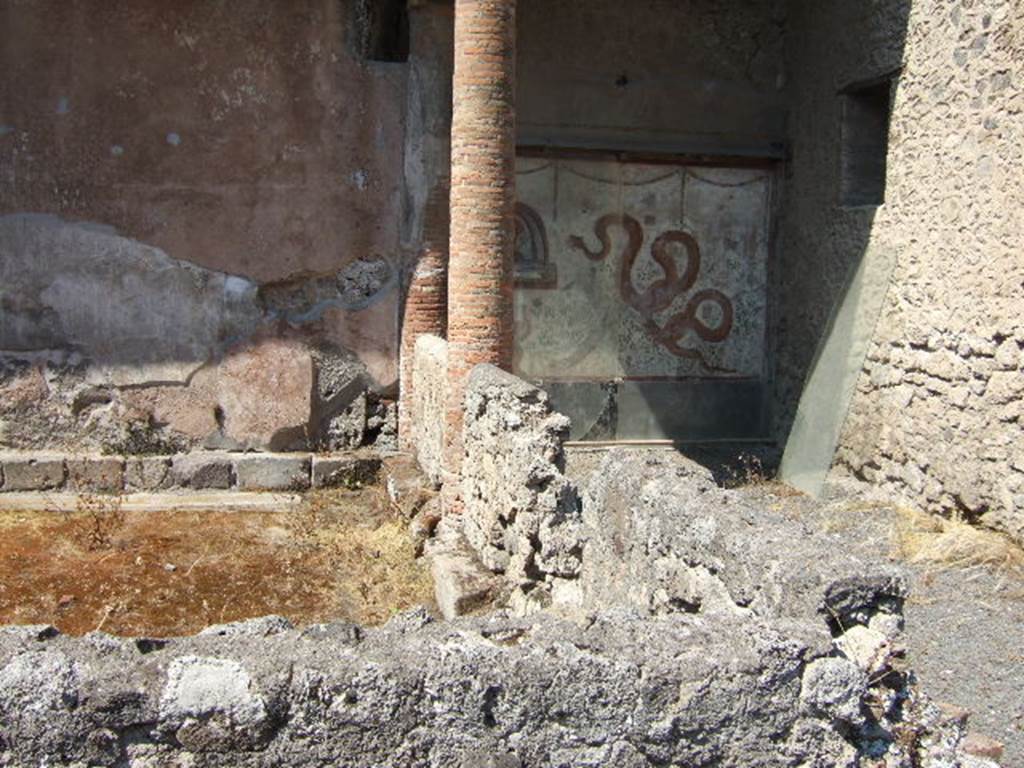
[642,293]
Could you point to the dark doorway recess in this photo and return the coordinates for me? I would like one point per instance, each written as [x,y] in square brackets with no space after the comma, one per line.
[865,141]
[383,30]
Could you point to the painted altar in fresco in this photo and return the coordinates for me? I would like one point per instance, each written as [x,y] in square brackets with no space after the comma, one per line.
[641,283]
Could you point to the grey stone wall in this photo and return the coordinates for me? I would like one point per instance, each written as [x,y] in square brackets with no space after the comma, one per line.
[660,536]
[672,623]
[494,691]
[686,625]
[520,513]
[644,531]
[26,471]
[430,381]
[936,408]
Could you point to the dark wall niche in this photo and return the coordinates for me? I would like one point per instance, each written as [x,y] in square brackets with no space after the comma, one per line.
[382,30]
[864,135]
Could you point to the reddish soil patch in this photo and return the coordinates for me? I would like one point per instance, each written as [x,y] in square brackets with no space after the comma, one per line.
[344,556]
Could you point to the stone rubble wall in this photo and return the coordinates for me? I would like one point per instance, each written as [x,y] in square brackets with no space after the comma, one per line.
[646,531]
[660,536]
[491,691]
[671,623]
[209,470]
[520,513]
[936,415]
[430,392]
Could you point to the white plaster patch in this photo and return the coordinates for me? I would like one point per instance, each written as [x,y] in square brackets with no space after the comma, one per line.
[198,687]
[360,179]
[237,287]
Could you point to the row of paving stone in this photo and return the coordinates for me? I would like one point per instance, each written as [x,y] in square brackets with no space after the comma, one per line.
[198,471]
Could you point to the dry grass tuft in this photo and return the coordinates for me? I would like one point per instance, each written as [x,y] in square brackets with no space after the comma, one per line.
[939,542]
[746,470]
[345,555]
[847,515]
[368,548]
[382,569]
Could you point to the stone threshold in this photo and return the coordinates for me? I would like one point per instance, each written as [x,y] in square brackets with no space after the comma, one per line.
[163,501]
[30,471]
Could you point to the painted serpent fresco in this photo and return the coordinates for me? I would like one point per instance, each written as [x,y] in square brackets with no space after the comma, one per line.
[660,295]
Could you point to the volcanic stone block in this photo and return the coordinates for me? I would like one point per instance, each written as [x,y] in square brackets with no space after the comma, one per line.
[202,695]
[462,584]
[273,472]
[430,381]
[613,690]
[33,473]
[211,471]
[148,473]
[99,474]
[406,484]
[521,513]
[351,471]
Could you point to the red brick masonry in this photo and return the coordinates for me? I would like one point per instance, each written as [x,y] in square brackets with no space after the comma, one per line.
[426,304]
[482,201]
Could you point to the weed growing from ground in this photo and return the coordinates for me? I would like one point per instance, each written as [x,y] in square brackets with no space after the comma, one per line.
[101,516]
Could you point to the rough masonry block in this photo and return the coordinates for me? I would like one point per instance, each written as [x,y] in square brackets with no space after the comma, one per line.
[273,472]
[96,474]
[33,473]
[210,471]
[462,585]
[430,393]
[345,471]
[148,473]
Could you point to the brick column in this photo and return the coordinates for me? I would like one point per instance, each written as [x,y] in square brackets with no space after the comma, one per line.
[482,202]
[425,303]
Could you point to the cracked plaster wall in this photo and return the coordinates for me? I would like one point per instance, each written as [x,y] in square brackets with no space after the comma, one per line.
[194,214]
[244,138]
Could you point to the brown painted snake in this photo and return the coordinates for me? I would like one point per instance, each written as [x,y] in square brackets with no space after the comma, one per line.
[662,292]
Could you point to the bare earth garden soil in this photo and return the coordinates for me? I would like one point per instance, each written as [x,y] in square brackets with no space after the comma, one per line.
[344,555]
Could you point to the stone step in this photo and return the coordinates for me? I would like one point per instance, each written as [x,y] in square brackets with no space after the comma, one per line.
[27,471]
[164,501]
